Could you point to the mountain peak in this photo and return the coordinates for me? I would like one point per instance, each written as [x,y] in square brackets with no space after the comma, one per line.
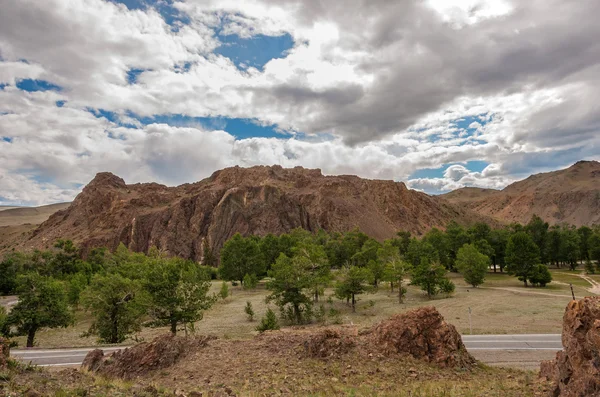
[107,179]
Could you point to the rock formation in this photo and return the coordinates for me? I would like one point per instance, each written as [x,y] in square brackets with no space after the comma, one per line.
[575,371]
[571,196]
[423,334]
[186,219]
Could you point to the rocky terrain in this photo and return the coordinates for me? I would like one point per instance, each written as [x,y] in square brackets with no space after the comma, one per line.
[257,200]
[571,195]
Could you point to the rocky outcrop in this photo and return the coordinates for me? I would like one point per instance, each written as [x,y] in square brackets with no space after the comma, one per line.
[162,352]
[568,196]
[423,334]
[183,220]
[576,370]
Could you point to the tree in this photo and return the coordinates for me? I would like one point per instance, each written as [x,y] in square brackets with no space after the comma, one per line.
[538,230]
[594,247]
[115,303]
[377,270]
[178,291]
[419,250]
[240,256]
[4,326]
[269,249]
[368,252]
[584,241]
[352,282]
[522,254]
[75,286]
[290,278]
[402,241]
[439,241]
[318,268]
[472,264]
[10,266]
[569,246]
[429,276]
[224,291]
[395,268]
[540,275]
[498,239]
[250,281]
[42,304]
[457,237]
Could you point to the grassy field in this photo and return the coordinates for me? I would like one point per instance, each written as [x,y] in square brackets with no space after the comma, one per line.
[501,305]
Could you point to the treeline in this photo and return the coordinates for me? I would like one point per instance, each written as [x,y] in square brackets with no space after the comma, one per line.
[123,291]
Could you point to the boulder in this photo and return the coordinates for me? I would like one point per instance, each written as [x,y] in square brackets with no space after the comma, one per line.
[576,370]
[423,334]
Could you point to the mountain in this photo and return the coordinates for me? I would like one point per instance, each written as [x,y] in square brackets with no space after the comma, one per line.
[571,195]
[256,200]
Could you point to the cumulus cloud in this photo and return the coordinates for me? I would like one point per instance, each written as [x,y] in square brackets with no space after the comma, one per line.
[373,88]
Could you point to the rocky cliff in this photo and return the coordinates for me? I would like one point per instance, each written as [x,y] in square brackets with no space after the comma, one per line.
[256,200]
[571,195]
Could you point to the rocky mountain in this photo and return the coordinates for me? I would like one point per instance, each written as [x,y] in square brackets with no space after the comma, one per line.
[255,200]
[571,195]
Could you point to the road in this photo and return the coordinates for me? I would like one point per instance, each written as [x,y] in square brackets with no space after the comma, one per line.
[523,351]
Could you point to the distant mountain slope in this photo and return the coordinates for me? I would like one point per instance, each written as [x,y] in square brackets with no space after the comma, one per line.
[571,195]
[256,200]
[15,216]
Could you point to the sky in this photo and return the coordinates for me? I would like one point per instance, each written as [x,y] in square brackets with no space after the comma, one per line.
[439,94]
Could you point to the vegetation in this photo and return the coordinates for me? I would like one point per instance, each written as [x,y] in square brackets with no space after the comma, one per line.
[351,283]
[249,311]
[472,264]
[268,322]
[522,255]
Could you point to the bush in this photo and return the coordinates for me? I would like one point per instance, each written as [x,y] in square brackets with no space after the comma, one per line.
[540,275]
[589,267]
[250,281]
[268,322]
[446,286]
[335,316]
[249,311]
[224,292]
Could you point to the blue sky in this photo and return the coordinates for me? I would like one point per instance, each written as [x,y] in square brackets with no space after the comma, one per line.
[161,99]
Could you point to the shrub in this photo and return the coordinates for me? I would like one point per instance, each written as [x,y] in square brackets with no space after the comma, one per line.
[224,292]
[446,286]
[250,281]
[249,311]
[268,322]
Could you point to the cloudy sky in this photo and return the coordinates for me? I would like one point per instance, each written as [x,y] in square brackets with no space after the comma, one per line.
[437,93]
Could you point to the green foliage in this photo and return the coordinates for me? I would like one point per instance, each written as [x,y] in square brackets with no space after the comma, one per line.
[540,275]
[9,268]
[569,247]
[538,230]
[594,247]
[419,251]
[457,237]
[42,304]
[75,286]
[224,291]
[249,311]
[589,267]
[429,276]
[240,256]
[4,326]
[522,254]
[352,282]
[472,264]
[250,281]
[441,244]
[116,305]
[395,268]
[446,286]
[318,266]
[290,279]
[320,314]
[268,322]
[178,291]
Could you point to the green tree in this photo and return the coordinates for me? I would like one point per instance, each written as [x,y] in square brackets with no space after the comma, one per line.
[268,322]
[4,326]
[290,279]
[42,304]
[352,282]
[396,269]
[569,247]
[249,311]
[269,249]
[250,281]
[554,243]
[115,303]
[522,254]
[498,239]
[540,275]
[319,269]
[178,291]
[368,252]
[419,250]
[439,241]
[429,276]
[584,242]
[402,241]
[75,286]
[594,247]
[538,230]
[472,264]
[10,267]
[457,237]
[240,256]
[224,291]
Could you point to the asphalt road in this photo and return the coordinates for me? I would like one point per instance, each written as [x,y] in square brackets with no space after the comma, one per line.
[525,351]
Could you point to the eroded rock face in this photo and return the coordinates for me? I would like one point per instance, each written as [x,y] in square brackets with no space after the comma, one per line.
[576,369]
[259,200]
[423,334]
[162,352]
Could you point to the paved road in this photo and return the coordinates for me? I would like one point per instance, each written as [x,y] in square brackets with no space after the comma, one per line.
[525,351]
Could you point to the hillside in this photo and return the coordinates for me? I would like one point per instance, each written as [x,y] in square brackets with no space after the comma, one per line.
[256,200]
[15,216]
[571,195]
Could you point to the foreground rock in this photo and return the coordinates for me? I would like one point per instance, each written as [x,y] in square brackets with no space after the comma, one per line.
[423,334]
[186,219]
[576,369]
[140,359]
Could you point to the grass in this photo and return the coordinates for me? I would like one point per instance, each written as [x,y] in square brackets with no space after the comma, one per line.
[500,306]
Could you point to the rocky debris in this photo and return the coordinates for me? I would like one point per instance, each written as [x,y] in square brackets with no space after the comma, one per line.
[162,352]
[328,343]
[181,220]
[423,334]
[4,352]
[576,370]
